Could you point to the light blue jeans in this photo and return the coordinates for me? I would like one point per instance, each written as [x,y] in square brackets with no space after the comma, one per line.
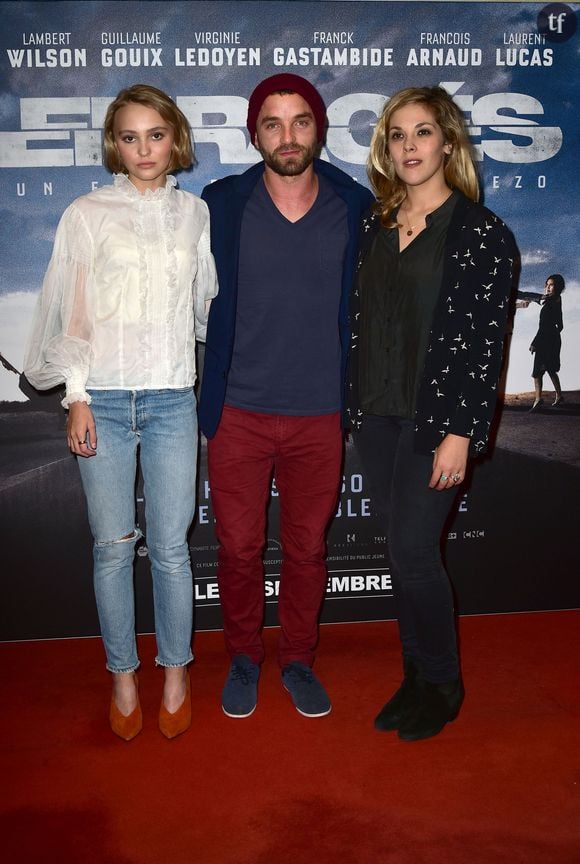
[163,425]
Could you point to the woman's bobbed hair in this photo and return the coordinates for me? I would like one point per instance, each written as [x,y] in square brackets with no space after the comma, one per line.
[460,172]
[559,283]
[150,97]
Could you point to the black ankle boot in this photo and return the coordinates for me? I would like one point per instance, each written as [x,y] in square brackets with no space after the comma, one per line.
[436,705]
[390,715]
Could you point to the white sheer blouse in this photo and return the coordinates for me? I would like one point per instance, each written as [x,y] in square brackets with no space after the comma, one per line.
[126,293]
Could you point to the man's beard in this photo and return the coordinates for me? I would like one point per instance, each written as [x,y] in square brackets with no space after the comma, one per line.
[289,167]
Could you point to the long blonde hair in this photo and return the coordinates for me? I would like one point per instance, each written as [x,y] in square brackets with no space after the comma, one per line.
[459,166]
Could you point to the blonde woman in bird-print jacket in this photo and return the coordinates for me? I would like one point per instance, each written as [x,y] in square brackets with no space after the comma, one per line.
[429,309]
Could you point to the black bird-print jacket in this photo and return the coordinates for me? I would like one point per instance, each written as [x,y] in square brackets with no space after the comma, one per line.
[458,386]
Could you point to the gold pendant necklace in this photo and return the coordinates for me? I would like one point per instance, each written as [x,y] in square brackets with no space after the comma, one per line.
[410,227]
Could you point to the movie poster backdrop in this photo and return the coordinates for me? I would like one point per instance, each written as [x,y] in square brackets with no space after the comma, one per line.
[513,68]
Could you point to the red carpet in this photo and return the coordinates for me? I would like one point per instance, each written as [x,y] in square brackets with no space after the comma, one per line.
[501,784]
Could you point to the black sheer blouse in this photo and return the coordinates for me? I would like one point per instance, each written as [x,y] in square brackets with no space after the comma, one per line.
[398,292]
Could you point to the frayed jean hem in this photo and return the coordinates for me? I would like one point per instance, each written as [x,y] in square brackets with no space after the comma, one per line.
[123,671]
[159,662]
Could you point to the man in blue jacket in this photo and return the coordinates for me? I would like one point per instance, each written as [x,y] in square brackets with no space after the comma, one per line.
[284,238]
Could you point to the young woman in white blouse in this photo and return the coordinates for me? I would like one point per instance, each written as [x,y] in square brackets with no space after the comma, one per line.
[126,293]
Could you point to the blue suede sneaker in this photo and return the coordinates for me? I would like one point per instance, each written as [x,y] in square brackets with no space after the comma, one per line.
[240,693]
[309,696]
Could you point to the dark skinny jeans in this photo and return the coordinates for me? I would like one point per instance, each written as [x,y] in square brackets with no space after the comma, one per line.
[414,516]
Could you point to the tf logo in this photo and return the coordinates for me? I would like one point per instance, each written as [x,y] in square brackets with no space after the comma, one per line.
[557,22]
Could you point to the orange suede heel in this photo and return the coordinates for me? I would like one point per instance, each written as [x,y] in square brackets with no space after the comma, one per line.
[126,727]
[172,725]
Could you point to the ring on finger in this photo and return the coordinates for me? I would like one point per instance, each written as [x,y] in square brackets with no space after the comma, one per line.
[456,478]
[444,478]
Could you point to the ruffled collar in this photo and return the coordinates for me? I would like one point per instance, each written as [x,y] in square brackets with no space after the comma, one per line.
[123,184]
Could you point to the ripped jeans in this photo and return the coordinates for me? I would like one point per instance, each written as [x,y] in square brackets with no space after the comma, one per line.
[163,424]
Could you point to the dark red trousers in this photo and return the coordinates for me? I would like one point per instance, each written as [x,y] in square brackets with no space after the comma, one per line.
[305,456]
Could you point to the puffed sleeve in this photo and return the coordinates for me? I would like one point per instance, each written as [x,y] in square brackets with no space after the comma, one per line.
[59,345]
[206,284]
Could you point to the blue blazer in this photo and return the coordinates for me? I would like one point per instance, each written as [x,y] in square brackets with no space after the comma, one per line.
[226,200]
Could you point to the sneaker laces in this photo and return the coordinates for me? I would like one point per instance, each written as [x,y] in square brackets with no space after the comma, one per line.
[300,673]
[241,673]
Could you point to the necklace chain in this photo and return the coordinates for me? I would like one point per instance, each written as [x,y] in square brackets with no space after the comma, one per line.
[411,228]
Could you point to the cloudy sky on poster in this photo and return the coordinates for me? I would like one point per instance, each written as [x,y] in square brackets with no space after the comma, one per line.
[519,94]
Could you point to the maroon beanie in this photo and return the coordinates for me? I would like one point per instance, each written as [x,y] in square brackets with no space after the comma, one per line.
[287,81]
